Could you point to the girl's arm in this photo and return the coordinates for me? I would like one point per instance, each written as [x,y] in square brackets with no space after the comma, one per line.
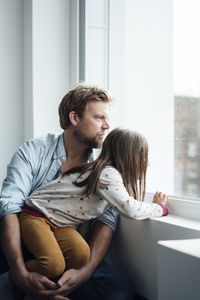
[115,193]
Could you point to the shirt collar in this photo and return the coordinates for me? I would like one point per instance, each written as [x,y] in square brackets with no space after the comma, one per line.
[60,149]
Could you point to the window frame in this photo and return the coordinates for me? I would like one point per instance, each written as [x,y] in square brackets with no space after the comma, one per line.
[179,206]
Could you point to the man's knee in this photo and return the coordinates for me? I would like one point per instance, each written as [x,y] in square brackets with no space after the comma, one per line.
[106,283]
[112,282]
[122,286]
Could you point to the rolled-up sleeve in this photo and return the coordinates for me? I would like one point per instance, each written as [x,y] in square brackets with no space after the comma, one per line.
[17,185]
[110,217]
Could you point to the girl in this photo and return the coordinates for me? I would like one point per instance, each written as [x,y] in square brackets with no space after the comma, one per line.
[52,213]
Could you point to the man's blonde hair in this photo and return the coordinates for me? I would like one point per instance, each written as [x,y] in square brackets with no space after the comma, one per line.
[77,98]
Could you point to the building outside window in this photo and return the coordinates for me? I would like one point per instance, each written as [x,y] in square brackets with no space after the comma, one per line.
[187,98]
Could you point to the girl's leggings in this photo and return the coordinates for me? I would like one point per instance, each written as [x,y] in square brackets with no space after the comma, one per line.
[55,248]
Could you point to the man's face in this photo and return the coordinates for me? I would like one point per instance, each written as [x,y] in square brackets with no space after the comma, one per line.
[92,126]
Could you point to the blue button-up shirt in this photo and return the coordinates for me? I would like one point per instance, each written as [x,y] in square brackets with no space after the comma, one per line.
[36,163]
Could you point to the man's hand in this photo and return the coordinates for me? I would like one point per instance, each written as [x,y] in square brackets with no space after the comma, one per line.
[33,283]
[69,281]
[72,279]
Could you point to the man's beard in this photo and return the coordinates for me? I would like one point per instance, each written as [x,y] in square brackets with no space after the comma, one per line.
[89,142]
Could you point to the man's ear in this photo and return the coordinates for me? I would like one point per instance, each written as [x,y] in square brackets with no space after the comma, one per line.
[74,118]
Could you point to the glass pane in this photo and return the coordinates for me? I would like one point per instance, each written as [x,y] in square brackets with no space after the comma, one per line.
[96,56]
[187,146]
[140,77]
[154,73]
[187,98]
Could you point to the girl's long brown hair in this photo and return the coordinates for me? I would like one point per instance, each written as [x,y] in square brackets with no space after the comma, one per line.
[127,151]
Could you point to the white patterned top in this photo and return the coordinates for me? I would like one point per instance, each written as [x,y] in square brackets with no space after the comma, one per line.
[64,204]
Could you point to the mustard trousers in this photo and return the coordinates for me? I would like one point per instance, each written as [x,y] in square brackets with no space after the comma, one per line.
[55,248]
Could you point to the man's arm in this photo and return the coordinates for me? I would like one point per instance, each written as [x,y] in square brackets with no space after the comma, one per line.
[100,240]
[15,189]
[11,244]
[30,282]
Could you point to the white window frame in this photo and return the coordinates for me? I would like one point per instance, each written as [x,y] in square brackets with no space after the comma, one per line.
[179,206]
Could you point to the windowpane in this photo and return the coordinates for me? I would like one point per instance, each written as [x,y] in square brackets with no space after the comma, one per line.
[153,70]
[187,97]
[140,77]
[96,51]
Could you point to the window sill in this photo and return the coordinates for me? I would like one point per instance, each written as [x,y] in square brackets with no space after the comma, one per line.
[187,209]
[187,246]
[179,221]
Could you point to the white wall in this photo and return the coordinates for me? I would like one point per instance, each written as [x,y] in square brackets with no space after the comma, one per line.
[179,269]
[136,250]
[51,67]
[11,80]
[35,70]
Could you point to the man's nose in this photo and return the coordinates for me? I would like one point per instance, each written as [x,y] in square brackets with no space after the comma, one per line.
[106,124]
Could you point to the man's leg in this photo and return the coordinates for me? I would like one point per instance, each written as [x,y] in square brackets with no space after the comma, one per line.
[3,262]
[107,283]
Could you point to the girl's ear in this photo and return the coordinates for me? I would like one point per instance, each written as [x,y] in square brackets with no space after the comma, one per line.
[74,118]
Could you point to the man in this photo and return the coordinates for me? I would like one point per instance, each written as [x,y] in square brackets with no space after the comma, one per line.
[83,116]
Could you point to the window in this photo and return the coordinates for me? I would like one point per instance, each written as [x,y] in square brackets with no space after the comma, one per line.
[187,98]
[139,76]
[153,70]
[95,60]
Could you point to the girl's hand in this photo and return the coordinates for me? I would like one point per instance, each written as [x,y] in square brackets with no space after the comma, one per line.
[160,198]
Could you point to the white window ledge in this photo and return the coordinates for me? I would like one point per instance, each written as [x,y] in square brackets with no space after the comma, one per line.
[180,221]
[179,207]
[189,246]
